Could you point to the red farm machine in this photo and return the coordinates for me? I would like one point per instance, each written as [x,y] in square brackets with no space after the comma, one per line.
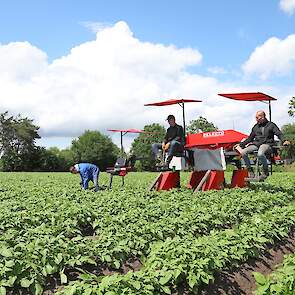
[208,153]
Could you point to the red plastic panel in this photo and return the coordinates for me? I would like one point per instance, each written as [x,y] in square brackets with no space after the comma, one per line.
[214,139]
[123,172]
[215,180]
[168,180]
[238,178]
[195,178]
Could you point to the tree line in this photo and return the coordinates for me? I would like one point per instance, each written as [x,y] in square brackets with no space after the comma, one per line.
[19,152]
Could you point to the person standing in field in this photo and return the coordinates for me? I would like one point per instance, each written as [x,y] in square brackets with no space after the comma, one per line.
[87,172]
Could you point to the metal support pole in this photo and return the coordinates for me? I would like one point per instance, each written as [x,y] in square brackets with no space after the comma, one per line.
[156,181]
[183,118]
[122,142]
[111,181]
[203,180]
[184,128]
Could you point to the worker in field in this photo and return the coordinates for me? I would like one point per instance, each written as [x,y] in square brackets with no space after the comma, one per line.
[87,172]
[261,139]
[172,143]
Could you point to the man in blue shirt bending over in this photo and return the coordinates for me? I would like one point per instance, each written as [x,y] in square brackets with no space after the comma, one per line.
[87,172]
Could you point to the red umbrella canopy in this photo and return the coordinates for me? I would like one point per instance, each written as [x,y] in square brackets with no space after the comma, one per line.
[248,96]
[127,130]
[220,138]
[171,102]
[124,132]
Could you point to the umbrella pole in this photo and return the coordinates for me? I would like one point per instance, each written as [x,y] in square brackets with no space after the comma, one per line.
[183,118]
[184,131]
[269,110]
[121,141]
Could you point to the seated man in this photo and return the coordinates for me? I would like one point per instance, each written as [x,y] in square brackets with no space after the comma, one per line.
[87,172]
[261,139]
[173,141]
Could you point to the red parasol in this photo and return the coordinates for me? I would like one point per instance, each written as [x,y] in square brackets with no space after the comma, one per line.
[251,96]
[125,131]
[180,102]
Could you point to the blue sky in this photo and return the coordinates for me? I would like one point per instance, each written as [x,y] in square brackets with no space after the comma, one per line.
[227,31]
[224,33]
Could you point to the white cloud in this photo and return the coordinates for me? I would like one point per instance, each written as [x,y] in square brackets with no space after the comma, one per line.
[217,70]
[100,84]
[104,84]
[275,56]
[95,27]
[287,6]
[20,61]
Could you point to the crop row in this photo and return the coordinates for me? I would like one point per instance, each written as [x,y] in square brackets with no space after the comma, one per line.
[193,261]
[279,282]
[47,226]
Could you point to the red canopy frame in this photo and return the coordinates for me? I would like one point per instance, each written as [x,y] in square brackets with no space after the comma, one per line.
[124,132]
[180,102]
[251,96]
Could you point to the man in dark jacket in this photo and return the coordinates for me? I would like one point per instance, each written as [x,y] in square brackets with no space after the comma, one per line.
[261,139]
[173,141]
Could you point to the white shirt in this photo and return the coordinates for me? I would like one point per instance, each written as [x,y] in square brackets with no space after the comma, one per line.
[77,167]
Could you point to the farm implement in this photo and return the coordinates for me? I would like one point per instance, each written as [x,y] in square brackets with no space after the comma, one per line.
[208,153]
[122,165]
[273,155]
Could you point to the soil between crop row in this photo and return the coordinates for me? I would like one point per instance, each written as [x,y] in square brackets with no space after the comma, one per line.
[240,280]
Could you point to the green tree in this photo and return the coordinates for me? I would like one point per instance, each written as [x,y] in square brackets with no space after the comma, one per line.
[61,160]
[288,131]
[54,159]
[17,143]
[291,111]
[141,146]
[200,125]
[66,157]
[48,160]
[138,166]
[96,148]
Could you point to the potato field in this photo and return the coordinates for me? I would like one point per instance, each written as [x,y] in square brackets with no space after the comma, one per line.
[58,239]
